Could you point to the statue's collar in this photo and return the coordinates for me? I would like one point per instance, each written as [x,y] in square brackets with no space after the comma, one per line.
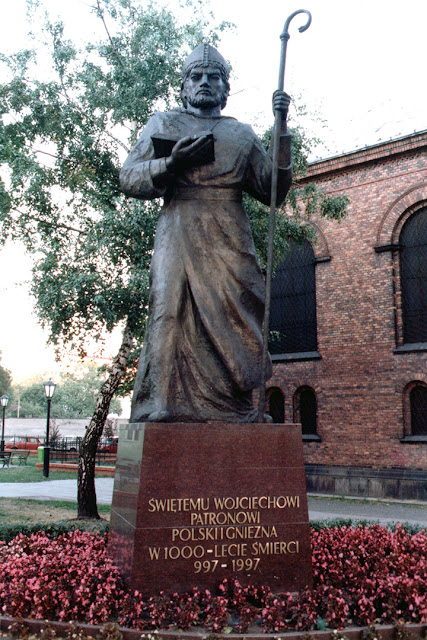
[194,115]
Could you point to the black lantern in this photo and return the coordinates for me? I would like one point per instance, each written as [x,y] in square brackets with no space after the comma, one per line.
[4,400]
[49,388]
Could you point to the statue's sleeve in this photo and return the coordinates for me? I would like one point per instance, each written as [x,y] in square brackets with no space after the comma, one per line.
[143,175]
[259,171]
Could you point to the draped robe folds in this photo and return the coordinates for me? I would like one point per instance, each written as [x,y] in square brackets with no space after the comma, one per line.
[202,351]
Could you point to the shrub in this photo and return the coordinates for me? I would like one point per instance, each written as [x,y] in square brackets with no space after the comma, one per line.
[9,531]
[69,577]
[362,575]
[332,523]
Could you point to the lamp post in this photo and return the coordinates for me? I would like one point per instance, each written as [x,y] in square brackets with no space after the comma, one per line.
[49,388]
[4,400]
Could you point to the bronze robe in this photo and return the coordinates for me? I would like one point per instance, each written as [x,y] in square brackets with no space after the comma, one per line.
[203,346]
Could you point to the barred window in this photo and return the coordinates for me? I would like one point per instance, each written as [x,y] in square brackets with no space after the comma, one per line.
[308,412]
[276,404]
[293,324]
[413,275]
[305,409]
[418,404]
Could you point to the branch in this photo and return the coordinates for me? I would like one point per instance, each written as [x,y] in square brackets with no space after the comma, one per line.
[87,4]
[92,120]
[116,53]
[73,103]
[54,225]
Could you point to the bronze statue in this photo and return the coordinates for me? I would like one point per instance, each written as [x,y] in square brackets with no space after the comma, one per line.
[202,351]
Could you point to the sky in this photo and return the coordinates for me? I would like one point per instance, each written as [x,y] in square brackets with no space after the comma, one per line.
[359,69]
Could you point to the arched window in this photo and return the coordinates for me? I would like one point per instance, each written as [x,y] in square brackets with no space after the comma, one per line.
[305,410]
[293,302]
[413,277]
[418,408]
[276,405]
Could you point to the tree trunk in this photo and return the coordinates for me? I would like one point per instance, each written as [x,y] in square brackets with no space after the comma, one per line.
[86,495]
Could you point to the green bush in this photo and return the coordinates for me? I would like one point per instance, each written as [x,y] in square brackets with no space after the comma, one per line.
[52,530]
[8,532]
[318,525]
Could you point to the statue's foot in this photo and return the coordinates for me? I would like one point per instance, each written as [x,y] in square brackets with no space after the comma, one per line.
[161,415]
[267,418]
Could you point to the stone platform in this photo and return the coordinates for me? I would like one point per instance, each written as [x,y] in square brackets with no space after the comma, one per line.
[196,503]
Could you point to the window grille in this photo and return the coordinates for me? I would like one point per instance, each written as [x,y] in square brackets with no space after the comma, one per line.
[413,273]
[276,403]
[308,412]
[293,324]
[418,403]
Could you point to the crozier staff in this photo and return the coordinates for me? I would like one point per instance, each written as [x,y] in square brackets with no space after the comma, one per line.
[202,351]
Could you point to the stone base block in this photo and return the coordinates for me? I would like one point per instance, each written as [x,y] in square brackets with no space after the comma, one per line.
[196,503]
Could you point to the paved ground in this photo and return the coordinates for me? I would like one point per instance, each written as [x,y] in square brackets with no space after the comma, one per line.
[320,507]
[55,490]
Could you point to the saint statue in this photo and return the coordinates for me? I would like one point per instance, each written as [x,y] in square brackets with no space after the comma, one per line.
[202,351]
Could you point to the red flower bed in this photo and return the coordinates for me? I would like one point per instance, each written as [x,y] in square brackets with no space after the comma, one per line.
[361,576]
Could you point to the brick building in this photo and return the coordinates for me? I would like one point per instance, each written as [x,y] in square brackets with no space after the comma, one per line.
[350,315]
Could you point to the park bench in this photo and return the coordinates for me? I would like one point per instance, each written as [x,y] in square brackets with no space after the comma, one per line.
[21,456]
[5,458]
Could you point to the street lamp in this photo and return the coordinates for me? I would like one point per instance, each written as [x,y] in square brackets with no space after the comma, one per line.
[49,388]
[4,400]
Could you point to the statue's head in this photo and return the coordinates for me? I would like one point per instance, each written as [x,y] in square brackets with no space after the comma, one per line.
[204,56]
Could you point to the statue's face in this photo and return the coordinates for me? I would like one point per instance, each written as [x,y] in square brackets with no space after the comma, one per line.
[204,87]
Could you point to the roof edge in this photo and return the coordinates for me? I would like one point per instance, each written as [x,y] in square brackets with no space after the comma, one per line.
[379,151]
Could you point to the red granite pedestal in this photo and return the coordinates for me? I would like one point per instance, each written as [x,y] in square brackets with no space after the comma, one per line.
[196,503]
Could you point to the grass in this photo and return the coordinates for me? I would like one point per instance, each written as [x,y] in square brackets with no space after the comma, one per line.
[23,511]
[29,473]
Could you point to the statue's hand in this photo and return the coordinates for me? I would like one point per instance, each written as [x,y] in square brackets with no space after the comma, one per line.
[187,151]
[281,102]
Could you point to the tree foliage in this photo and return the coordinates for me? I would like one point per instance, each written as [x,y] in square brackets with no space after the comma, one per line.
[304,200]
[63,139]
[74,397]
[5,381]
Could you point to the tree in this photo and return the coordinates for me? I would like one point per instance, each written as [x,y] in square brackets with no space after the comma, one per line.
[5,381]
[32,403]
[110,428]
[75,397]
[62,141]
[294,217]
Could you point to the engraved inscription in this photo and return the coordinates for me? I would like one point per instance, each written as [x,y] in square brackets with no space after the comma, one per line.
[234,526]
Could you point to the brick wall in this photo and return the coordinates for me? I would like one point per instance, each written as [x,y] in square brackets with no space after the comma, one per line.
[359,379]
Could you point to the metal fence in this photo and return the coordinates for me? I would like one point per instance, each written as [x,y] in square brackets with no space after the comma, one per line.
[65,449]
[68,450]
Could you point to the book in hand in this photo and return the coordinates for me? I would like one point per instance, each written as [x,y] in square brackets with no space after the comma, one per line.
[163,145]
